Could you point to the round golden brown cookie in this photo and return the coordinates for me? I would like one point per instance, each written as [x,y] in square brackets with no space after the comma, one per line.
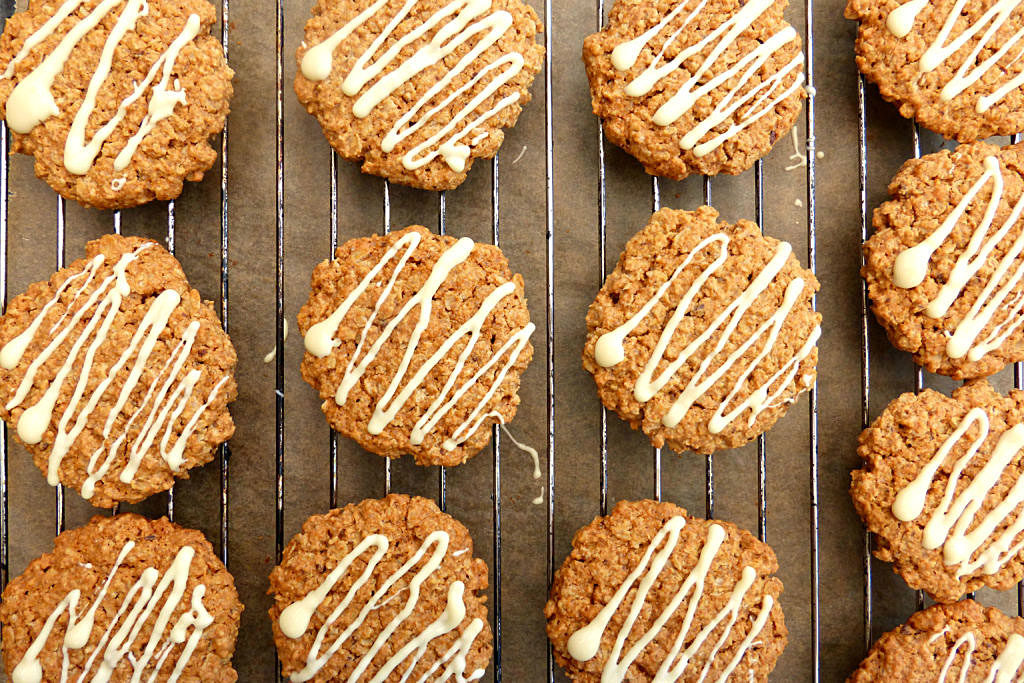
[945,265]
[699,86]
[953,65]
[705,332]
[416,343]
[688,598]
[962,641]
[417,90]
[384,589]
[941,488]
[122,596]
[116,101]
[115,374]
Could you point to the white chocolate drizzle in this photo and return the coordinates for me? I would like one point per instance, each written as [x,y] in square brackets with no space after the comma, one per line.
[998,296]
[166,397]
[748,95]
[953,525]
[295,618]
[136,610]
[1004,667]
[946,44]
[31,102]
[319,341]
[584,644]
[610,347]
[470,23]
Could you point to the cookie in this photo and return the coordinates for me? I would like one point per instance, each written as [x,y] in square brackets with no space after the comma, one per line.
[122,598]
[116,101]
[115,374]
[944,267]
[650,593]
[952,65]
[959,642]
[383,589]
[699,86]
[705,332]
[941,489]
[418,89]
[416,342]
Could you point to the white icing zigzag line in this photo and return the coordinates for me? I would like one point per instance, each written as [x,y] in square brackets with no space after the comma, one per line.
[584,644]
[295,618]
[31,102]
[610,350]
[142,598]
[900,23]
[454,31]
[911,267]
[319,341]
[1004,667]
[626,55]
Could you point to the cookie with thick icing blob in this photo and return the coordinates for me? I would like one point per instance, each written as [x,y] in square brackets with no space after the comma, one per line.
[650,593]
[416,343]
[705,333]
[381,590]
[115,374]
[120,597]
[418,89]
[696,86]
[115,100]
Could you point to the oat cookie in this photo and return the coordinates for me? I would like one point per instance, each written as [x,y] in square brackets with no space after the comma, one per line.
[954,65]
[383,589]
[116,101]
[696,86]
[944,268]
[120,597]
[115,374]
[705,332]
[959,642]
[416,343]
[418,89]
[657,578]
[941,489]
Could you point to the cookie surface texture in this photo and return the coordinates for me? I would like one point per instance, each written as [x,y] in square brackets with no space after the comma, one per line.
[416,343]
[115,374]
[120,597]
[941,488]
[650,593]
[384,590]
[696,86]
[950,64]
[705,333]
[945,268]
[418,89]
[116,101]
[963,641]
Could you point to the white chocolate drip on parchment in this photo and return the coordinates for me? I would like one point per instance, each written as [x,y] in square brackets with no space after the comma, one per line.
[979,34]
[747,97]
[31,102]
[114,648]
[458,23]
[166,396]
[1003,669]
[295,618]
[320,341]
[584,644]
[954,525]
[610,347]
[910,269]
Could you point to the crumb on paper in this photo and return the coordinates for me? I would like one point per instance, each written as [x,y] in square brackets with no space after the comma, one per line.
[797,202]
[820,155]
[273,352]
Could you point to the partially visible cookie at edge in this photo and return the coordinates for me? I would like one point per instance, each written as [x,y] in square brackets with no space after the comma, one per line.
[416,343]
[705,332]
[417,91]
[718,571]
[696,87]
